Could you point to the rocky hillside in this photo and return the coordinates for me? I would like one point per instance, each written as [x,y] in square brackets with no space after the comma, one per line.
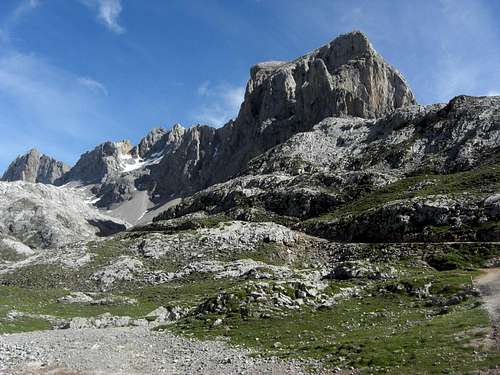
[418,170]
[42,216]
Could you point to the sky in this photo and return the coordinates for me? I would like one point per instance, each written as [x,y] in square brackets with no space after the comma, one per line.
[75,73]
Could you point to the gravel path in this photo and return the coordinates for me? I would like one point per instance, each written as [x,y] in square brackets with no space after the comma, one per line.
[489,285]
[130,351]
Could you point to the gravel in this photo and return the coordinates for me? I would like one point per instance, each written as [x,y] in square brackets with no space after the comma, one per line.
[131,351]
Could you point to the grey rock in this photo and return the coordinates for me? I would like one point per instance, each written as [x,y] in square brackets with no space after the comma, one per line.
[163,315]
[151,143]
[123,268]
[316,171]
[35,167]
[357,269]
[344,77]
[75,297]
[40,215]
[94,166]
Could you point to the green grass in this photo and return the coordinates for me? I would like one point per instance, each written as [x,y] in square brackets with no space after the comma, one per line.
[43,301]
[375,334]
[23,325]
[187,292]
[267,252]
[396,333]
[461,256]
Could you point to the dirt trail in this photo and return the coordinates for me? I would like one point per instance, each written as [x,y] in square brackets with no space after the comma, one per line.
[489,286]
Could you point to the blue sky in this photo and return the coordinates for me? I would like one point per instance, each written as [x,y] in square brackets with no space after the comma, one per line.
[74,73]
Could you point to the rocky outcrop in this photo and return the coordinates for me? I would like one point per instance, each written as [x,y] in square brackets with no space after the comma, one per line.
[159,142]
[41,215]
[35,167]
[431,218]
[344,77]
[153,142]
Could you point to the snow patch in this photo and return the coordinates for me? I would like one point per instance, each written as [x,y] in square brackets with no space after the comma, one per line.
[131,164]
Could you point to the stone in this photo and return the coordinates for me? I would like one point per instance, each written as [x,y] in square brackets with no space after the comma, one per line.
[75,297]
[35,167]
[42,216]
[123,268]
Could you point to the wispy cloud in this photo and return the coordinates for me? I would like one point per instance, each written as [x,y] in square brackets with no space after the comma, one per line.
[220,103]
[24,7]
[493,93]
[93,85]
[44,96]
[108,12]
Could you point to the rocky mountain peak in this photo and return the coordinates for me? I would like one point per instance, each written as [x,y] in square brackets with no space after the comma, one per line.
[149,142]
[175,134]
[34,153]
[35,167]
[104,160]
[344,77]
[346,47]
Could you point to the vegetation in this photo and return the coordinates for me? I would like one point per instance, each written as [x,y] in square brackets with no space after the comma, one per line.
[481,181]
[380,332]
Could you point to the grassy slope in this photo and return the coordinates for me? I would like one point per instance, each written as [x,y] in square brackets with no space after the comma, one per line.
[481,182]
[379,332]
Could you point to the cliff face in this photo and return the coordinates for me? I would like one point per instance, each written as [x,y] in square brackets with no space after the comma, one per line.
[35,167]
[96,165]
[346,77]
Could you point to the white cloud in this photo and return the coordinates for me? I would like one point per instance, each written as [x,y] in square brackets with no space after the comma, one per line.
[203,88]
[93,85]
[13,18]
[43,96]
[47,107]
[108,12]
[221,103]
[493,93]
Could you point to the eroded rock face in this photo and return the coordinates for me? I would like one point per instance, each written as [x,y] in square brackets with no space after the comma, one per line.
[35,167]
[430,218]
[314,172]
[101,162]
[343,78]
[41,215]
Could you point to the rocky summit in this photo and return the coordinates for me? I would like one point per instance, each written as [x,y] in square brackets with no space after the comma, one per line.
[35,167]
[334,226]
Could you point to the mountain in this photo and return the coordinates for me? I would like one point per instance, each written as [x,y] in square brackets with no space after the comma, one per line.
[334,223]
[35,167]
[418,168]
[346,77]
[311,136]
